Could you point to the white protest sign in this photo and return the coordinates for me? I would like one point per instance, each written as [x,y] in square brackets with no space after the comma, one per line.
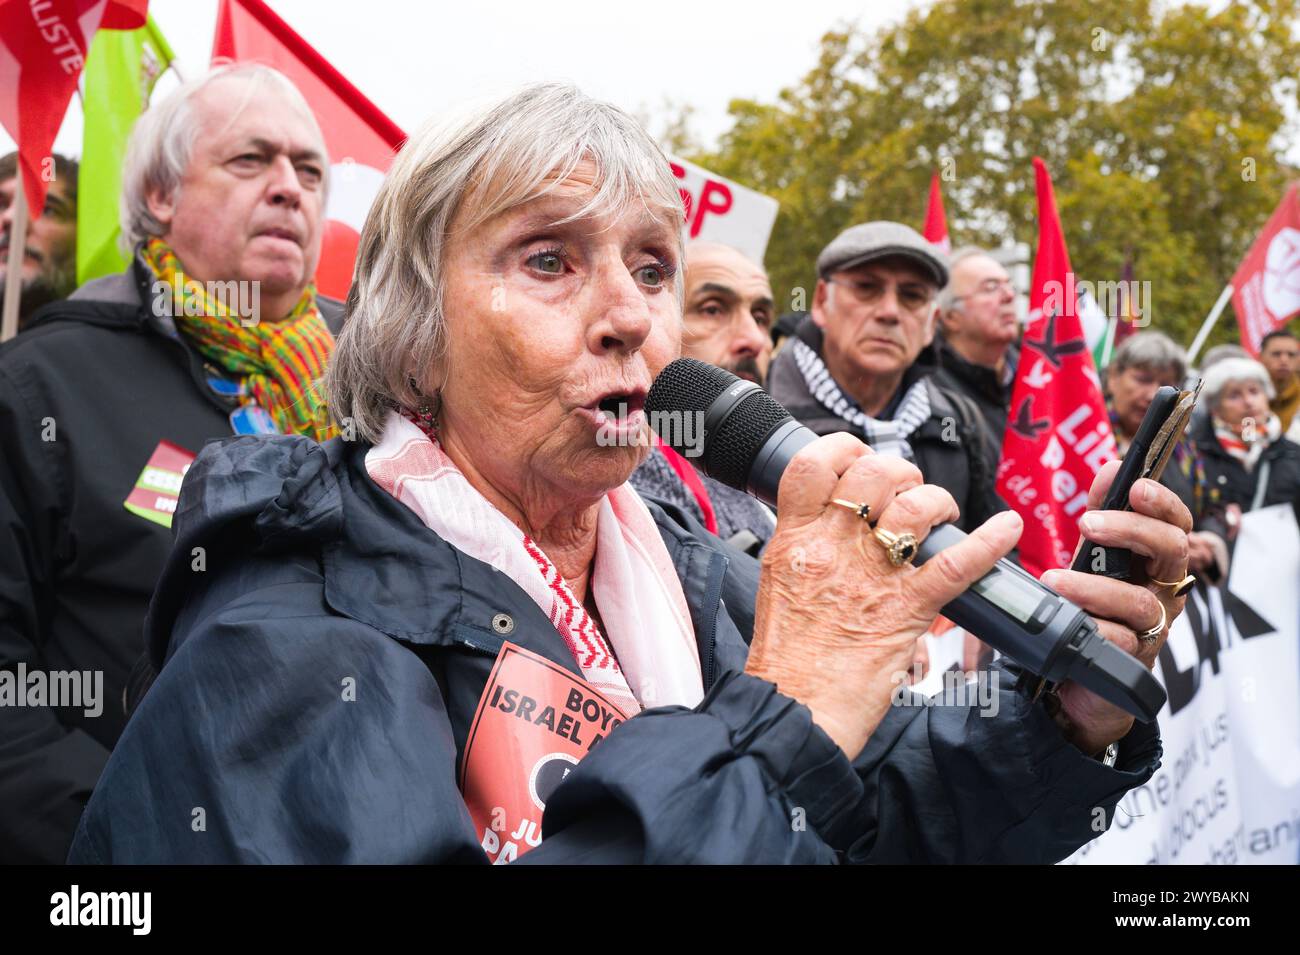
[1228,789]
[719,210]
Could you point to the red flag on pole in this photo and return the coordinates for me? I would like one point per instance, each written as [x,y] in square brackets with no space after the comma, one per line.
[936,223]
[1126,326]
[1058,436]
[42,51]
[361,140]
[1266,286]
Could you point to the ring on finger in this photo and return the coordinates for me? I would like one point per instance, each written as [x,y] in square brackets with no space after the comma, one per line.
[862,508]
[1179,588]
[1148,637]
[900,548]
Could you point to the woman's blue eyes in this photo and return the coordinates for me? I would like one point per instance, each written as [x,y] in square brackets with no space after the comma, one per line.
[655,274]
[552,263]
[548,262]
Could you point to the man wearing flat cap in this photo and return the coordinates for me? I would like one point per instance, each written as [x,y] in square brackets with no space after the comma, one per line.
[861,363]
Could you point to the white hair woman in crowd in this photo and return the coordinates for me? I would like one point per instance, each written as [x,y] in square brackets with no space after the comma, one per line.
[1248,461]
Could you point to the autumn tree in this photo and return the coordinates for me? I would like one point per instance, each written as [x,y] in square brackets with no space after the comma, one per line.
[1165,129]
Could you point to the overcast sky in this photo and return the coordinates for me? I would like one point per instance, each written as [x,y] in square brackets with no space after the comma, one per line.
[414,59]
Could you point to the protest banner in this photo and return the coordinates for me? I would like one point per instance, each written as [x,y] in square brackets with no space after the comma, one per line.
[1228,789]
[719,210]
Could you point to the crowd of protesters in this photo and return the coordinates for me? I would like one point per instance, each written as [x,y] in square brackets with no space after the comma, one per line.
[906,348]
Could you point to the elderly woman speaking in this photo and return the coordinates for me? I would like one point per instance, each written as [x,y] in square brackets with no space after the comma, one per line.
[455,633]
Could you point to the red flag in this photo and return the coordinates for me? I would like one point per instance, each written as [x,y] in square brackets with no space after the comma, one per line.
[361,140]
[1058,436]
[936,223]
[1266,286]
[125,15]
[42,51]
[1126,325]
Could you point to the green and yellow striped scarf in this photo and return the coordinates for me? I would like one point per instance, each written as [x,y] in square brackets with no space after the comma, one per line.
[279,362]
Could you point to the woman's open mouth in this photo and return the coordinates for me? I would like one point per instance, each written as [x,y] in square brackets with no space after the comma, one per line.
[617,416]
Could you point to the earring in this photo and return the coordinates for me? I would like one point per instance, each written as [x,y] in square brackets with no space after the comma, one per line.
[429,409]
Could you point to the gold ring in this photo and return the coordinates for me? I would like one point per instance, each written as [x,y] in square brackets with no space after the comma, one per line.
[1148,637]
[863,510]
[1180,588]
[900,547]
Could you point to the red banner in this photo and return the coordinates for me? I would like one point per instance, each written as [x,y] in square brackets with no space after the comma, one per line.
[43,48]
[361,140]
[1058,435]
[1266,286]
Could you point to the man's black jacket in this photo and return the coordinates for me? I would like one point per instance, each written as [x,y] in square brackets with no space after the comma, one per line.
[952,447]
[87,392]
[315,574]
[981,384]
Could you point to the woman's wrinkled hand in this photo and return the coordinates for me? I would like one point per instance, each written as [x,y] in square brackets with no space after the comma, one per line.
[1156,531]
[835,622]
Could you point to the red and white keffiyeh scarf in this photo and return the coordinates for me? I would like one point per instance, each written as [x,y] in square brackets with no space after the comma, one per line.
[654,660]
[1248,452]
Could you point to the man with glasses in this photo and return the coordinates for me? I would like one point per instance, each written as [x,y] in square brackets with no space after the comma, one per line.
[861,363]
[976,340]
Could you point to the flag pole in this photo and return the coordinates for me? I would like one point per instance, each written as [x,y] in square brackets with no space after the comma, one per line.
[1208,324]
[14,266]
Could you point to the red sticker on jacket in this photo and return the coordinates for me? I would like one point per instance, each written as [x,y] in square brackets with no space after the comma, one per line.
[158,488]
[534,722]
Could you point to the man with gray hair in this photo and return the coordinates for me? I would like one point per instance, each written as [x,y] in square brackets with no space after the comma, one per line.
[859,364]
[215,327]
[976,338]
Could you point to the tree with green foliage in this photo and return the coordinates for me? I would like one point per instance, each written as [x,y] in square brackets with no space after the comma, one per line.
[1165,129]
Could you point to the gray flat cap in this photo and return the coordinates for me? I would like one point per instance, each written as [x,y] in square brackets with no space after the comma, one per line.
[878,240]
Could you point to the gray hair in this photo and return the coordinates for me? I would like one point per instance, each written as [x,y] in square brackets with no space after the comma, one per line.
[1151,351]
[470,168]
[1228,371]
[162,143]
[1219,352]
[947,299]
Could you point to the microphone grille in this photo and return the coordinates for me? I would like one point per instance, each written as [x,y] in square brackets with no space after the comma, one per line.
[729,453]
[688,386]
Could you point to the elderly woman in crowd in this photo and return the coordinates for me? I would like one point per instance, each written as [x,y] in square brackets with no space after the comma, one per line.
[405,646]
[1248,461]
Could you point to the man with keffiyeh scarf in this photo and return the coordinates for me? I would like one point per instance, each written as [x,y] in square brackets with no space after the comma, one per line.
[861,363]
[214,329]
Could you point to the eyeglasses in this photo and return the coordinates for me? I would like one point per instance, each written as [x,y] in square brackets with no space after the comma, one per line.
[989,287]
[912,296]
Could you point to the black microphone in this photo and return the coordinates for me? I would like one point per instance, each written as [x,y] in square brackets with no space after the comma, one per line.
[738,435]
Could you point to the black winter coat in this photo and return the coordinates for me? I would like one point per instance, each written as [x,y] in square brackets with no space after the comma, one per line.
[313,572]
[1279,463]
[87,392]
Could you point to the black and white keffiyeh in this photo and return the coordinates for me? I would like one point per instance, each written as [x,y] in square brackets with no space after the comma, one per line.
[885,437]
